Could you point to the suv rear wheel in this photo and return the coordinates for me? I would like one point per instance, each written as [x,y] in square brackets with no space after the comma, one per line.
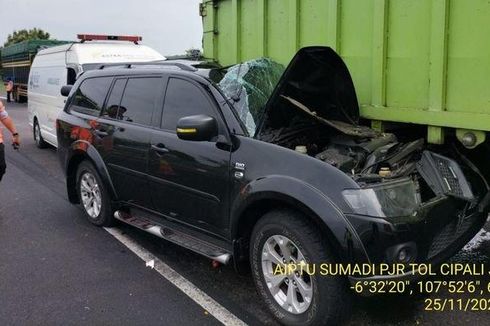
[296,298]
[93,196]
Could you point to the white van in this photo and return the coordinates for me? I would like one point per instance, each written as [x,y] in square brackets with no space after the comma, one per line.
[57,66]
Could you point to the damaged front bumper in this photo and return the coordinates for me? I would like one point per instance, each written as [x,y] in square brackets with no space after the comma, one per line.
[430,241]
[435,229]
[437,232]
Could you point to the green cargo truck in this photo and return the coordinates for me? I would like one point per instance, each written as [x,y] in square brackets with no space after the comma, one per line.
[422,62]
[16,62]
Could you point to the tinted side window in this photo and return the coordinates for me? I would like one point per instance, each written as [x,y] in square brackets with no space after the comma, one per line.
[112,105]
[183,99]
[139,100]
[89,97]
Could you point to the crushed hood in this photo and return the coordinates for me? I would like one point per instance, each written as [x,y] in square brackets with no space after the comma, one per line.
[318,79]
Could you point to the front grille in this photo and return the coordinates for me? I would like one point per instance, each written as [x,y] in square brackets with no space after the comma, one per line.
[449,234]
[444,176]
[453,184]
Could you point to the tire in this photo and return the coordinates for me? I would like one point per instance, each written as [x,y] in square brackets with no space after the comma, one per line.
[93,196]
[329,300]
[38,138]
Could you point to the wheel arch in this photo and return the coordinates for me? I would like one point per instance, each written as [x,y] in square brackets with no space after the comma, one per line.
[262,196]
[83,151]
[276,201]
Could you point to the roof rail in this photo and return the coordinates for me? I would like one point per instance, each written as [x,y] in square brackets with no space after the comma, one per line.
[149,63]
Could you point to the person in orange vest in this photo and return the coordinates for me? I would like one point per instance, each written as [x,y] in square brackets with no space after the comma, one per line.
[9,124]
[9,88]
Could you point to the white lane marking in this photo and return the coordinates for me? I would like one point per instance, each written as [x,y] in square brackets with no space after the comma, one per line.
[209,304]
[150,264]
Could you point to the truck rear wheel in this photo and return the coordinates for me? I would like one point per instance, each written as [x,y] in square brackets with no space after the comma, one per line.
[303,296]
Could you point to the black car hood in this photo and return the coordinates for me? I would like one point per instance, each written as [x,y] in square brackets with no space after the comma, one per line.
[317,78]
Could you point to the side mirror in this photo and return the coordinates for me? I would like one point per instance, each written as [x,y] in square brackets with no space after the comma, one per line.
[197,128]
[65,90]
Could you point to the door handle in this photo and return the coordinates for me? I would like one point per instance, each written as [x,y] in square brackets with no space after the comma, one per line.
[101,133]
[160,148]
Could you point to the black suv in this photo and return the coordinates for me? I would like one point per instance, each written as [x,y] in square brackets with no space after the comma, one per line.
[262,166]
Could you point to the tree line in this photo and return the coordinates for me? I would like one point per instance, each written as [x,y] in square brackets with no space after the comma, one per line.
[26,35]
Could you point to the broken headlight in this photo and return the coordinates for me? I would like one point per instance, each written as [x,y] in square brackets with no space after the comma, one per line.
[386,199]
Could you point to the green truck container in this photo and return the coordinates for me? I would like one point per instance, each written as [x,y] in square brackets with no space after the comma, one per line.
[412,61]
[16,60]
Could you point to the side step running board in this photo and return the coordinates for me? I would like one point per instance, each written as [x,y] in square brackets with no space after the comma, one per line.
[177,237]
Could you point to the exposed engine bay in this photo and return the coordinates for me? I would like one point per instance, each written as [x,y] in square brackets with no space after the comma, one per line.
[369,156]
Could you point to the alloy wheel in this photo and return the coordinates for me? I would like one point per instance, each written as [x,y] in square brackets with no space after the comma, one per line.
[90,194]
[292,290]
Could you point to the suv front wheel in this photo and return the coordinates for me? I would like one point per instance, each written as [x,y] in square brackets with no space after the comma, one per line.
[281,240]
[93,196]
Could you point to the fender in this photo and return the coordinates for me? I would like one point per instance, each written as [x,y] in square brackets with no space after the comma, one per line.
[295,191]
[84,148]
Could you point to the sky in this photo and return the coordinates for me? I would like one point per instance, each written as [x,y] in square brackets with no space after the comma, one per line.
[168,26]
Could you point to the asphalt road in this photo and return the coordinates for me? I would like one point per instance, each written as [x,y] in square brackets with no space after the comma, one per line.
[56,268]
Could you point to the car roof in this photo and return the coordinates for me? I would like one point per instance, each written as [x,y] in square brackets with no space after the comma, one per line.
[181,67]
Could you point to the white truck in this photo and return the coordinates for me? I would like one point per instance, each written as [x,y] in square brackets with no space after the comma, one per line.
[57,66]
